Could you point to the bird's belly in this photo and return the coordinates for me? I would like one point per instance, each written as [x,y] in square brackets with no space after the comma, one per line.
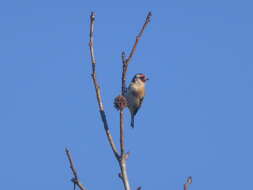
[132,101]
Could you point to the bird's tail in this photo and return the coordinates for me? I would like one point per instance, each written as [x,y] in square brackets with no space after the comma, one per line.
[132,121]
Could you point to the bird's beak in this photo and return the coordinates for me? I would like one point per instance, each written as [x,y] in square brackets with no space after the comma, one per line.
[146,79]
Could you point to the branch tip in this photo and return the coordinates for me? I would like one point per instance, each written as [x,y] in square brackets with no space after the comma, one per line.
[123,57]
[149,16]
[92,15]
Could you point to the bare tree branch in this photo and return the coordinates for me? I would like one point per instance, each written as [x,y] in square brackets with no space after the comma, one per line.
[124,71]
[75,179]
[121,158]
[120,103]
[97,88]
[122,143]
[188,182]
[125,60]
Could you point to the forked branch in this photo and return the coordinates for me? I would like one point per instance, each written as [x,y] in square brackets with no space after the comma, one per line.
[75,179]
[121,157]
[127,60]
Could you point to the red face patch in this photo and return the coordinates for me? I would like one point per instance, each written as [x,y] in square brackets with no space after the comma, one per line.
[143,78]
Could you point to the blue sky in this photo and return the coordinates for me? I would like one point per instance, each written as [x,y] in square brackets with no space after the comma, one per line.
[196,118]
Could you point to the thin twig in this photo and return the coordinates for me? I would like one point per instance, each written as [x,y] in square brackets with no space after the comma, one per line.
[125,60]
[188,182]
[97,88]
[124,70]
[139,36]
[75,179]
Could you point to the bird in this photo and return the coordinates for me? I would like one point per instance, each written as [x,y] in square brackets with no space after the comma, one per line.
[135,94]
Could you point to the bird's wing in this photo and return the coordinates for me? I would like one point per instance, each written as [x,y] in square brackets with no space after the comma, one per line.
[138,107]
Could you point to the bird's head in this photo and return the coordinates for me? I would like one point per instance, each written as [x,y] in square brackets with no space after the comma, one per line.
[140,77]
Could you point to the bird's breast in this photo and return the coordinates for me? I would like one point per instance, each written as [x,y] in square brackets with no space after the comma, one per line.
[138,91]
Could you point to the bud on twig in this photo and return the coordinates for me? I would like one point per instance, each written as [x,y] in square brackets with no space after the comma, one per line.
[120,175]
[127,155]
